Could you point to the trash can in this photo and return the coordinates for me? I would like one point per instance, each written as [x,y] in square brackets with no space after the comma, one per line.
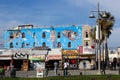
[13,72]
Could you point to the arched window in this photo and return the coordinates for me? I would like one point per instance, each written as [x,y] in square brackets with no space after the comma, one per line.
[11,35]
[43,35]
[86,34]
[23,35]
[11,45]
[23,45]
[44,44]
[69,44]
[59,35]
[59,45]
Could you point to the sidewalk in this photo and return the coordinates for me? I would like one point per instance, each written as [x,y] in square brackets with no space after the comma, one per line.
[70,72]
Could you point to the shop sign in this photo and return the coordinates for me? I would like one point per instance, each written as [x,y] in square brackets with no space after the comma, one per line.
[40,70]
[70,57]
[73,66]
[54,57]
[70,52]
[37,57]
[20,55]
[88,50]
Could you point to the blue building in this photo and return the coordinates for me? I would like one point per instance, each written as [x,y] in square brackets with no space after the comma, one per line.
[71,43]
[28,36]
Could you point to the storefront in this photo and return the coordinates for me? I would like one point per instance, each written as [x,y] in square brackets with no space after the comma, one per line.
[72,56]
[16,58]
[21,59]
[37,59]
[54,55]
[87,56]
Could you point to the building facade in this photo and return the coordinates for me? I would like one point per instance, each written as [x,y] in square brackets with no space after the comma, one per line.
[26,36]
[66,42]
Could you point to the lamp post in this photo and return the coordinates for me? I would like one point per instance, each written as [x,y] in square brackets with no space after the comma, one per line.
[98,34]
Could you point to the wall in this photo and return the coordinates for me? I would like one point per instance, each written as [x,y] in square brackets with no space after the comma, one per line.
[33,37]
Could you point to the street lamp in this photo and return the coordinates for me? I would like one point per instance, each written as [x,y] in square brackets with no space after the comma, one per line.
[98,34]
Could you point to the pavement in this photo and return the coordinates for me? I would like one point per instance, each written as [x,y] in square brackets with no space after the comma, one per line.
[60,72]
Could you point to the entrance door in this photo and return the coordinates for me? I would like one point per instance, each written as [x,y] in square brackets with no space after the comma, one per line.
[25,65]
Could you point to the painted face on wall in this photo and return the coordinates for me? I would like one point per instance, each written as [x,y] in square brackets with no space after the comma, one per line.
[70,34]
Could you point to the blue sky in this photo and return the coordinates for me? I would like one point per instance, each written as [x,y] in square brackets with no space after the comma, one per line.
[56,12]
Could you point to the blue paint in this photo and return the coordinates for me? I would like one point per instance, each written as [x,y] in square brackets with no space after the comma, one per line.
[33,37]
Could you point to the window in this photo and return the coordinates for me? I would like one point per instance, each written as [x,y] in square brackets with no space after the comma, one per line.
[69,44]
[86,43]
[11,35]
[11,45]
[59,45]
[59,35]
[17,43]
[43,35]
[44,44]
[34,35]
[23,35]
[86,35]
[23,45]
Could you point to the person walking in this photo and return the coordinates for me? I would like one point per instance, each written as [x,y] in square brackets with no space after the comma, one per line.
[66,64]
[56,68]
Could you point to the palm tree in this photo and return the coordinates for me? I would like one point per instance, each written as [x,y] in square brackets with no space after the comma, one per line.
[106,28]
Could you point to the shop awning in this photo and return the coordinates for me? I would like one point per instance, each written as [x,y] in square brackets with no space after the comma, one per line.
[5,55]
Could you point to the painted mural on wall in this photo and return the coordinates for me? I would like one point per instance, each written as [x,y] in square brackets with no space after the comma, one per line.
[67,37]
[70,34]
[53,37]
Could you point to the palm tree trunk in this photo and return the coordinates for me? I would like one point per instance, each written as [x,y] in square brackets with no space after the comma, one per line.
[103,52]
[106,52]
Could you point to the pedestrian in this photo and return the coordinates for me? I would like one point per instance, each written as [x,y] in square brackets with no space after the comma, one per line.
[56,68]
[103,66]
[65,70]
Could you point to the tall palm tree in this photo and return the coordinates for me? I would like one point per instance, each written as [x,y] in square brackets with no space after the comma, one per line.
[106,27]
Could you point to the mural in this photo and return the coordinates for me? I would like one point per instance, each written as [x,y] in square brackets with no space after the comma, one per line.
[53,37]
[70,34]
[66,37]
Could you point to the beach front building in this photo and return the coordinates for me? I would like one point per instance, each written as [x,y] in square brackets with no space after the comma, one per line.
[51,44]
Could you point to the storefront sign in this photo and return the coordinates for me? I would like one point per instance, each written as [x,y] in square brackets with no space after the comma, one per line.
[54,57]
[20,55]
[88,50]
[40,70]
[71,57]
[73,66]
[70,54]
[37,57]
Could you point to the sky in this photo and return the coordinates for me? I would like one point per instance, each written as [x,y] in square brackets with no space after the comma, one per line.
[56,13]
